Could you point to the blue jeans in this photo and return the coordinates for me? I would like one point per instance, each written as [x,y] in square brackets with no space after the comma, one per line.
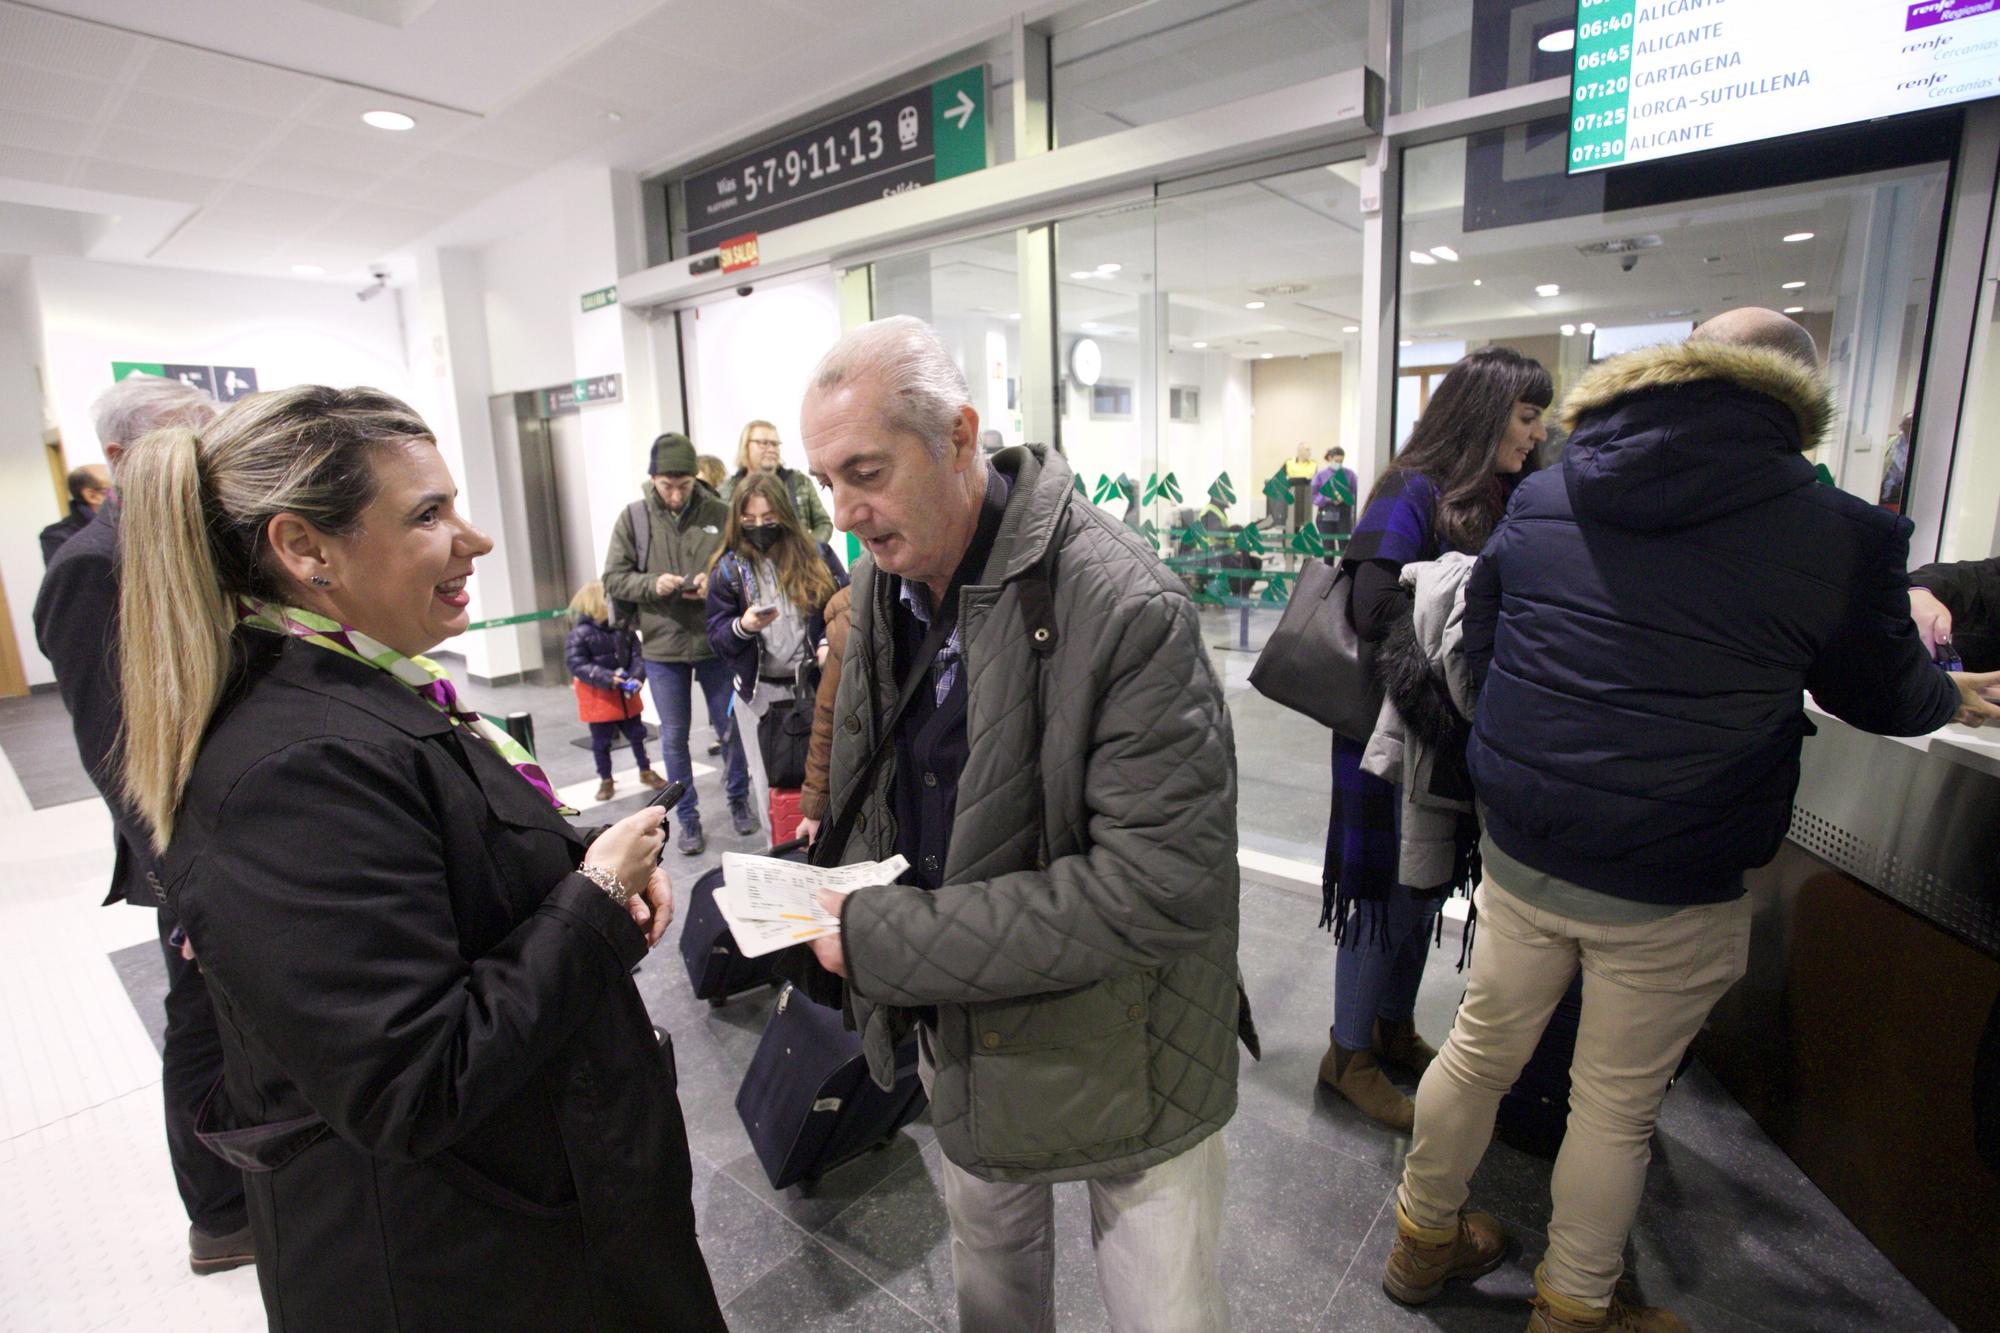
[1377,976]
[673,685]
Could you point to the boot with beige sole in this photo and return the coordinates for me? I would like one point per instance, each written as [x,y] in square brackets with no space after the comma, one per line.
[1357,1076]
[1398,1045]
[1557,1313]
[1425,1258]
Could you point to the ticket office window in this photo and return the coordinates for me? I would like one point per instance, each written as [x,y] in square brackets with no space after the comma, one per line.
[1500,247]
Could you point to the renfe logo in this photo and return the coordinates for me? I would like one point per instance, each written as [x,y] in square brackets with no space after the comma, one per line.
[1928,13]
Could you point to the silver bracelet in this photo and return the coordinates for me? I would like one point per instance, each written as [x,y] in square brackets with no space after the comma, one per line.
[607,881]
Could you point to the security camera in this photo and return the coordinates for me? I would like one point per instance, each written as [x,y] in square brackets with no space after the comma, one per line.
[377,287]
[744,291]
[1628,262]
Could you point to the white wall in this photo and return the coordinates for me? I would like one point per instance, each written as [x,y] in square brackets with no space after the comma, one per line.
[749,358]
[291,332]
[75,317]
[528,305]
[28,502]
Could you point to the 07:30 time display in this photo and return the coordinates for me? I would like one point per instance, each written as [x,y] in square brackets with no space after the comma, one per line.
[822,157]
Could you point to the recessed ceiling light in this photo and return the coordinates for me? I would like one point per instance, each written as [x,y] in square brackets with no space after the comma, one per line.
[1253,305]
[309,270]
[1446,253]
[1795,237]
[1403,342]
[1587,327]
[1268,355]
[1790,286]
[1350,328]
[1795,310]
[1562,39]
[1108,269]
[613,116]
[1199,346]
[388,120]
[1569,330]
[1479,282]
[1083,274]
[1419,257]
[1549,289]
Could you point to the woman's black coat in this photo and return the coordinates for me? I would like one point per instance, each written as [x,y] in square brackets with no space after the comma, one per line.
[439,1072]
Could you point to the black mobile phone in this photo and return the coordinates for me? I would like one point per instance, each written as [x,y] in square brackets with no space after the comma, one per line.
[670,796]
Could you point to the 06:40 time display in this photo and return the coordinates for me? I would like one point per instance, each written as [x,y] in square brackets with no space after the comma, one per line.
[823,157]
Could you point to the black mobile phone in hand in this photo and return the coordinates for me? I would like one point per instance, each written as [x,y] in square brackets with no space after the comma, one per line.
[668,797]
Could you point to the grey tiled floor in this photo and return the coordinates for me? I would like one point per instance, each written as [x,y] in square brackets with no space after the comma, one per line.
[1731,1234]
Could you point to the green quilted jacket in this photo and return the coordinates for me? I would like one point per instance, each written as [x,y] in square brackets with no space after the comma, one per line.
[1082,952]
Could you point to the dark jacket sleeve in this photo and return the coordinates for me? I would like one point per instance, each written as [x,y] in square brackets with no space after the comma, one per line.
[1970,590]
[725,603]
[1482,615]
[1380,599]
[579,655]
[76,618]
[1874,673]
[324,911]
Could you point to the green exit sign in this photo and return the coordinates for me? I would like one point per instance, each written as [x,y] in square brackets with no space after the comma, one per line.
[599,299]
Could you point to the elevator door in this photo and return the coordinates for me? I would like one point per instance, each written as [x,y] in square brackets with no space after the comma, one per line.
[541,494]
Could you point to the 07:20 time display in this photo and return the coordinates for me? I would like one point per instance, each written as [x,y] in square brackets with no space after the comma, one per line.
[822,157]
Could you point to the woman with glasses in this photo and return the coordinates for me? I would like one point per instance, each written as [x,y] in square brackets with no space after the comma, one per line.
[759,450]
[767,595]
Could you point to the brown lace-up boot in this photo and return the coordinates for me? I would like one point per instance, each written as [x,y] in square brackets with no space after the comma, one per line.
[1425,1258]
[1398,1044]
[1557,1313]
[1356,1076]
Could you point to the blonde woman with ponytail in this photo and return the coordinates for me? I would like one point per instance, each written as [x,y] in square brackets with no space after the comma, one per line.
[441,1084]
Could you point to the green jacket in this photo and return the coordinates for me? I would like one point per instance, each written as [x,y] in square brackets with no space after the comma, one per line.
[1083,965]
[674,628]
[805,499]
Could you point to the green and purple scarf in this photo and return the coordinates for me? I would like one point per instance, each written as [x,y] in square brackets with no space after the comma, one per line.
[425,678]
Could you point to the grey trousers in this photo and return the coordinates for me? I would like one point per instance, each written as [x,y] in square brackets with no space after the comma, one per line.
[1156,1234]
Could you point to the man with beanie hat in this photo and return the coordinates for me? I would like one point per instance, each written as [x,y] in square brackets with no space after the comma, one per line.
[661,572]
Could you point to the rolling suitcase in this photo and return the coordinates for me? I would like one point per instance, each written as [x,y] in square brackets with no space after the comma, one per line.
[715,970]
[783,809]
[807,1100]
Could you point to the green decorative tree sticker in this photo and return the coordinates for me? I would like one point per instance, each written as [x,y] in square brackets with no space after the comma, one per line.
[1162,488]
[1250,540]
[1193,537]
[1278,489]
[1221,491]
[1335,490]
[1107,489]
[1306,541]
[1277,591]
[1150,532]
[1215,593]
[1081,489]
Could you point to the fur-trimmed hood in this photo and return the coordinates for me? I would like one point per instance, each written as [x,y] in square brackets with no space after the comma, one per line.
[1758,369]
[1671,436]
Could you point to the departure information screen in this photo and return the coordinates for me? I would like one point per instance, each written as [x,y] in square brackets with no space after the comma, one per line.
[1658,78]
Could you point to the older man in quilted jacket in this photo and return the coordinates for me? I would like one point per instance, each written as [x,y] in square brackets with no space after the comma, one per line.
[1061,779]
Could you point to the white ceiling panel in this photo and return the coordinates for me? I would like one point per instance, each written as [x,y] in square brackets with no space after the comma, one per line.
[463,171]
[64,46]
[425,194]
[364,151]
[188,153]
[204,76]
[291,173]
[289,210]
[25,129]
[147,182]
[631,74]
[178,118]
[196,247]
[506,139]
[29,164]
[27,88]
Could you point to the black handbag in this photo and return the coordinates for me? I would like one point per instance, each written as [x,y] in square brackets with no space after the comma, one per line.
[1314,662]
[783,735]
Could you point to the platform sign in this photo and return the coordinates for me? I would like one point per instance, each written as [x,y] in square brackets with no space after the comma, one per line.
[582,393]
[1659,78]
[917,138]
[223,383]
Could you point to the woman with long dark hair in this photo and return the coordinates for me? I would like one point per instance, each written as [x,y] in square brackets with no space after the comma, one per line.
[767,596]
[1444,492]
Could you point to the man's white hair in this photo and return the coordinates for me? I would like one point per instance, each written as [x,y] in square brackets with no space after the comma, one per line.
[140,404]
[923,387]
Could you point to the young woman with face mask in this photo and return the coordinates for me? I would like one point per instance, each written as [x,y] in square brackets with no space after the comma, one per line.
[767,595]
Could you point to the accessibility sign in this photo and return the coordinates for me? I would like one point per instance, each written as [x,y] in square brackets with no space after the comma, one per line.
[223,383]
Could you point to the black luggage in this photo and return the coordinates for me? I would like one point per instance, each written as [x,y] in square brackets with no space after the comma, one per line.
[715,969]
[1534,1115]
[807,1101]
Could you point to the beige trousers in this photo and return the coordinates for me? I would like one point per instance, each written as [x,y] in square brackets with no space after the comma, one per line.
[1647,989]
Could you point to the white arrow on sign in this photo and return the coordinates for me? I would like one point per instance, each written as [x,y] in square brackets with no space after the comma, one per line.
[962,113]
